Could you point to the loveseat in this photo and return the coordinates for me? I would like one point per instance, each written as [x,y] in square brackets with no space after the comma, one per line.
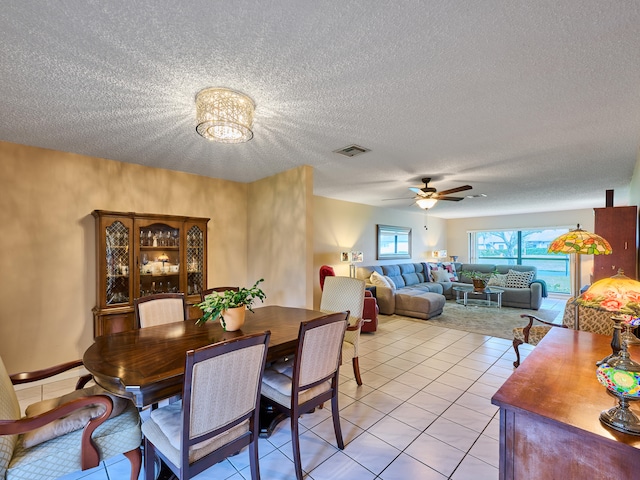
[415,278]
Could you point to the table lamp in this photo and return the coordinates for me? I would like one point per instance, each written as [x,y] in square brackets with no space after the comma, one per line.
[619,295]
[579,242]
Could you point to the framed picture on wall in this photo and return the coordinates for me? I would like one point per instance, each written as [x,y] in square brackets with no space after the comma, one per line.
[393,242]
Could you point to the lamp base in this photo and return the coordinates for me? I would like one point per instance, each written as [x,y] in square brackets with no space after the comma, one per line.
[621,418]
[615,340]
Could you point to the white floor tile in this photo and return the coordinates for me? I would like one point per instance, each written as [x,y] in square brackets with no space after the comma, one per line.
[313,450]
[414,416]
[452,433]
[398,390]
[369,450]
[486,449]
[361,414]
[381,401]
[436,454]
[394,432]
[472,468]
[406,467]
[341,465]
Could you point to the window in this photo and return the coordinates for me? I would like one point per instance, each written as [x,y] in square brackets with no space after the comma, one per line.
[394,242]
[524,247]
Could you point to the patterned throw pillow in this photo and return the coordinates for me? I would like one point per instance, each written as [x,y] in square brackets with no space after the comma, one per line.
[451,268]
[498,280]
[519,279]
[432,268]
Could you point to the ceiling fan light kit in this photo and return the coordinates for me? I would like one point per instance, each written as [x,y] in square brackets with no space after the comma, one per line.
[427,197]
[224,115]
[426,203]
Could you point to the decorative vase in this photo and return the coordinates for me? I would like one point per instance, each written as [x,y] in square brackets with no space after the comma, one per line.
[479,284]
[233,318]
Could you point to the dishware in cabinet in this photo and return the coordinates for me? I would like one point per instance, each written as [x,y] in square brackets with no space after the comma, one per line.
[158,263]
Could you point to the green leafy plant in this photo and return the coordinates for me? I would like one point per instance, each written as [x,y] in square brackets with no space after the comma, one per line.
[475,275]
[216,303]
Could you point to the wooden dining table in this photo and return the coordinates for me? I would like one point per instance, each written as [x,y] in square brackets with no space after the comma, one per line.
[147,364]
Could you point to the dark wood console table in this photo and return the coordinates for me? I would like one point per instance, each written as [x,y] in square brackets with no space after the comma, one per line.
[549,415]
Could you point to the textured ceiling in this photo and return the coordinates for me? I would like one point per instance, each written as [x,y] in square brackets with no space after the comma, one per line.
[536,104]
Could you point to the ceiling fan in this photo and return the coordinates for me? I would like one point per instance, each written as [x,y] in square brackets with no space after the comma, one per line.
[426,197]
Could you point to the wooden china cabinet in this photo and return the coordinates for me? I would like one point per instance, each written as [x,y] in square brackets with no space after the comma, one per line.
[140,254]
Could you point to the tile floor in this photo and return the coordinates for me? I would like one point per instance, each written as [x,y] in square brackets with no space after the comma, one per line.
[424,412]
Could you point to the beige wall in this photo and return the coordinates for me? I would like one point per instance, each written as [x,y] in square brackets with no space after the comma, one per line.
[280,232]
[48,241]
[344,226]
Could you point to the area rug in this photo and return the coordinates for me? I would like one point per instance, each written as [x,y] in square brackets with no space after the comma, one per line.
[497,322]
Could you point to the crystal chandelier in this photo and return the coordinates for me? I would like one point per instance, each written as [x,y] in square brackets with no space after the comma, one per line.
[224,115]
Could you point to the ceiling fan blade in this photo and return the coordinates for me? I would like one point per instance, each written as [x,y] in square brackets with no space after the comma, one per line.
[390,199]
[455,190]
[453,199]
[415,190]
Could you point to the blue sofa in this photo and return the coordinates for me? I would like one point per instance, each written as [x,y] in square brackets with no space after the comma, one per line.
[412,277]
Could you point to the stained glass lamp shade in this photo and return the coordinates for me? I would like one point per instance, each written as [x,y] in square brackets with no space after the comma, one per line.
[579,242]
[618,294]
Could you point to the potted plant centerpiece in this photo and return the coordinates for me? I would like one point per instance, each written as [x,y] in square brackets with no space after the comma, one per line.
[230,306]
[480,279]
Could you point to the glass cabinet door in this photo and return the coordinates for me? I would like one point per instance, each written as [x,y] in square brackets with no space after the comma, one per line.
[117,263]
[195,260]
[159,258]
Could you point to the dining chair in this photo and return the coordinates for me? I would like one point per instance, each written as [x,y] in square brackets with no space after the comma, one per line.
[159,309]
[62,435]
[312,378]
[208,291]
[219,412]
[340,294]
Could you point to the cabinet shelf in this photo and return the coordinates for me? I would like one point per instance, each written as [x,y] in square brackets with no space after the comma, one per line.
[146,248]
[156,275]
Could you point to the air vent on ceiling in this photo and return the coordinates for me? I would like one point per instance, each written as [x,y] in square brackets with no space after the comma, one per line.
[352,150]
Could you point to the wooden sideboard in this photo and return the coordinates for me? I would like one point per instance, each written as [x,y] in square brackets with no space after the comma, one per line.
[549,414]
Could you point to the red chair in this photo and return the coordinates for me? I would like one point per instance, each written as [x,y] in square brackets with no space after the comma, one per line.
[370,310]
[370,313]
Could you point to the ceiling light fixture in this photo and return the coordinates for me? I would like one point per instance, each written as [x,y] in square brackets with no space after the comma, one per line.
[426,203]
[224,115]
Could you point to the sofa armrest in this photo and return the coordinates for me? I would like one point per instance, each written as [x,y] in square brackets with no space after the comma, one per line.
[536,296]
[386,300]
